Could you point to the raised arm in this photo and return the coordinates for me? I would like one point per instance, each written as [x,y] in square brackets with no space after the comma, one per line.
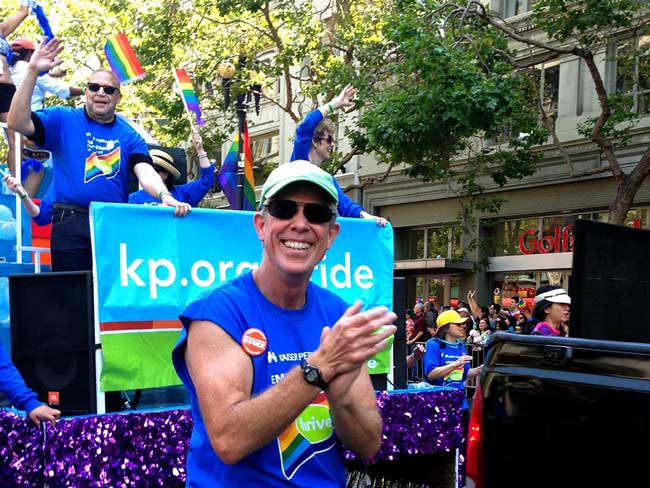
[43,59]
[197,142]
[194,191]
[473,304]
[342,100]
[10,23]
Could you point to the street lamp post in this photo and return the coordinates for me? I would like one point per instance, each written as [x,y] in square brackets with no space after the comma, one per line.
[242,106]
[226,71]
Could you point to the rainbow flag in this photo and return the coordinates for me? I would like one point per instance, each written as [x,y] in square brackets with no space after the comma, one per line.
[227,176]
[188,95]
[123,61]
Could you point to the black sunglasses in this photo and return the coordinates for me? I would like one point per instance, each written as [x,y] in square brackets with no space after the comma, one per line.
[108,89]
[329,139]
[315,213]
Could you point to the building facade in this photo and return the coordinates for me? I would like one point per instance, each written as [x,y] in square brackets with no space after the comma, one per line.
[530,242]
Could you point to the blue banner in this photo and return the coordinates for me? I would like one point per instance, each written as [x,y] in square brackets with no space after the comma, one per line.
[149,265]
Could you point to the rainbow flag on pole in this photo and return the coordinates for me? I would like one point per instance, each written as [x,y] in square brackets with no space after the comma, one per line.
[227,176]
[190,100]
[122,59]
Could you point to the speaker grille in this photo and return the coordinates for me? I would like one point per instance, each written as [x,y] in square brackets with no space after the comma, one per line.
[52,336]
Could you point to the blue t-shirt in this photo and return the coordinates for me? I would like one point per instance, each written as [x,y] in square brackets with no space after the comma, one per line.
[13,385]
[91,161]
[308,453]
[192,192]
[301,145]
[436,356]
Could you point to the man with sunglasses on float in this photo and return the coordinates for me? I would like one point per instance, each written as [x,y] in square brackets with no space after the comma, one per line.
[315,142]
[275,364]
[93,152]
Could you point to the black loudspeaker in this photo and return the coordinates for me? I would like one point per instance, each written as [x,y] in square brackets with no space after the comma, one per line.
[610,282]
[399,346]
[180,163]
[53,338]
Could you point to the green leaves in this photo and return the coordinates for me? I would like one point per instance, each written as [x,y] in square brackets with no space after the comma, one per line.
[586,20]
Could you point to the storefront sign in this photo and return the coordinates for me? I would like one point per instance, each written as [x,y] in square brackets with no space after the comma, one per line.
[560,241]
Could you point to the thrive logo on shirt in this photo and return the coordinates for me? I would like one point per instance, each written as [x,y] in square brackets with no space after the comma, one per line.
[311,433]
[104,159]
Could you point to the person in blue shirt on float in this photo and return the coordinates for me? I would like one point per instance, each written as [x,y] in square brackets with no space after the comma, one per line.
[192,192]
[20,395]
[314,142]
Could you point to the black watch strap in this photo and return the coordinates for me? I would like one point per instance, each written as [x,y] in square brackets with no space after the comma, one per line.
[312,375]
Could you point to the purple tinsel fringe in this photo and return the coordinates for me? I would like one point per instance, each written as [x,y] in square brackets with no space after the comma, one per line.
[148,449]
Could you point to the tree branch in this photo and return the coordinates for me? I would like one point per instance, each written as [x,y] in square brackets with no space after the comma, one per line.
[591,172]
[370,181]
[550,126]
[266,10]
[605,113]
[642,169]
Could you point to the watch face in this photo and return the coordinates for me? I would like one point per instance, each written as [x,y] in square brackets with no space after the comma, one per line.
[312,375]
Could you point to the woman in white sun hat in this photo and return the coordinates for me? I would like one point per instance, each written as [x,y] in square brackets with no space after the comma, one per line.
[552,305]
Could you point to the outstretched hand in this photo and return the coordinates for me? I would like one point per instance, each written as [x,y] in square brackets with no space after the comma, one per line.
[344,99]
[45,56]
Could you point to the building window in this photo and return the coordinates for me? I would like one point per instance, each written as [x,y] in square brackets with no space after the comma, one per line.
[265,150]
[510,8]
[637,218]
[551,234]
[509,234]
[633,71]
[440,242]
[547,79]
[409,244]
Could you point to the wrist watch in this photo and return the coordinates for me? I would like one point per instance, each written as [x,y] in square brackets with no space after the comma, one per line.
[312,375]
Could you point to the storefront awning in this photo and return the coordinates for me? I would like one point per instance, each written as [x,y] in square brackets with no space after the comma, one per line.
[442,265]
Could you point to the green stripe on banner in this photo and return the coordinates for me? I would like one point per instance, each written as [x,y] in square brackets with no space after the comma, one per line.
[138,360]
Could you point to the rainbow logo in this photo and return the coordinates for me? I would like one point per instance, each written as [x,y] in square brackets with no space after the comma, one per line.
[311,433]
[104,164]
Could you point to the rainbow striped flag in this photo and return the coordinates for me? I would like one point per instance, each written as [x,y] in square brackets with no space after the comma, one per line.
[190,100]
[122,59]
[227,176]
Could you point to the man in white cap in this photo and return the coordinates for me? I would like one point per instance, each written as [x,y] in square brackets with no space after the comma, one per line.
[275,364]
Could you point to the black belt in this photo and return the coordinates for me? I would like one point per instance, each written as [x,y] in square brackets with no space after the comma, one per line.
[69,206]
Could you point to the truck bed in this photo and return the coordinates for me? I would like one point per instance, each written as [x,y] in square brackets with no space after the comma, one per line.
[564,412]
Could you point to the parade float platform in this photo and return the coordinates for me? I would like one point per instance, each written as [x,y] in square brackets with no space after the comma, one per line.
[422,430]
